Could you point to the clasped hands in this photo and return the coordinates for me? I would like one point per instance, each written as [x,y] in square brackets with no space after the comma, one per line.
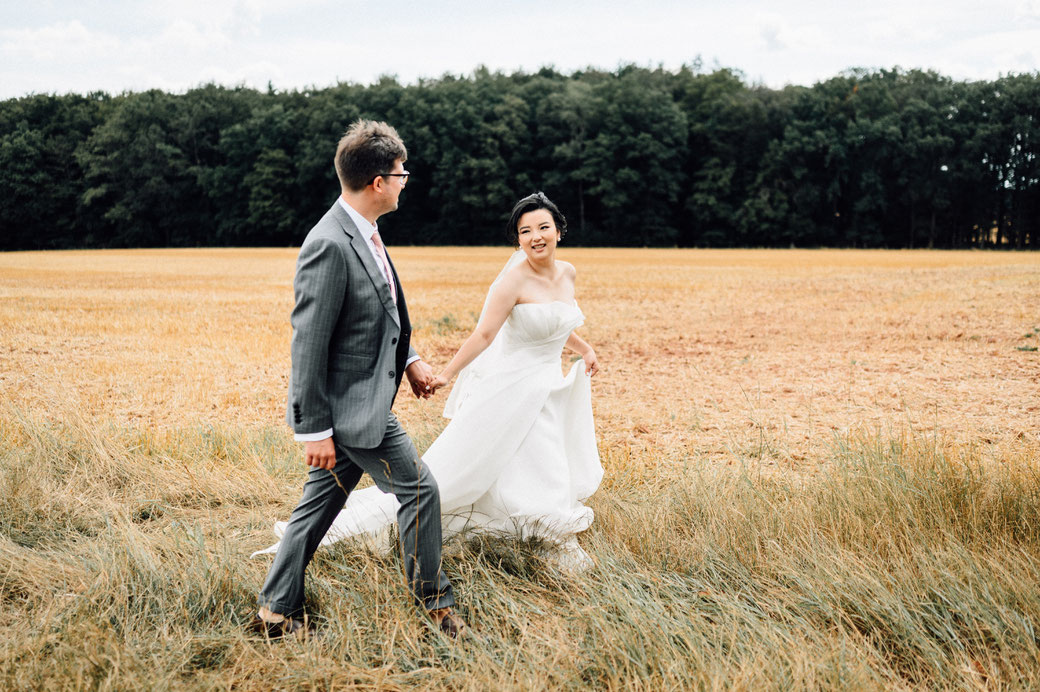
[421,379]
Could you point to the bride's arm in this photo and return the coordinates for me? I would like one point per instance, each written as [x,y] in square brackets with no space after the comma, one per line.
[500,303]
[582,348]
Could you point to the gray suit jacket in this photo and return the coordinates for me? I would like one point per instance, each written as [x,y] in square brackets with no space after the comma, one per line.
[350,341]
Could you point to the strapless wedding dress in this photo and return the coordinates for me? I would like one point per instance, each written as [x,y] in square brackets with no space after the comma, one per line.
[519,454]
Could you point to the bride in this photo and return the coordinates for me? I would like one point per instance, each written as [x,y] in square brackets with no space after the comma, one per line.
[519,454]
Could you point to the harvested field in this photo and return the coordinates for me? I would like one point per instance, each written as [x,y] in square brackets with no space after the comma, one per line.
[762,355]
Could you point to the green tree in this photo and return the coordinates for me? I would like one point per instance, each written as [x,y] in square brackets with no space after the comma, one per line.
[634,156]
[40,180]
[138,178]
[638,150]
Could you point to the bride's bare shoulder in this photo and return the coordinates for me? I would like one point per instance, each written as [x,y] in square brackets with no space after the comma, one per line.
[518,274]
[511,283]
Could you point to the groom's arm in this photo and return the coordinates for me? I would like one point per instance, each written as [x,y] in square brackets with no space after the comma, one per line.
[319,288]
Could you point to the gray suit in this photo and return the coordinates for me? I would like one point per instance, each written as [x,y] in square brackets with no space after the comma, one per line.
[349,347]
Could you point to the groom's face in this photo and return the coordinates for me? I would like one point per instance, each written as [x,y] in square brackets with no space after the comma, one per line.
[393,185]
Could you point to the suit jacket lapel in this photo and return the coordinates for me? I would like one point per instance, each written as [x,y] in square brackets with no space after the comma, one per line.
[375,273]
[406,324]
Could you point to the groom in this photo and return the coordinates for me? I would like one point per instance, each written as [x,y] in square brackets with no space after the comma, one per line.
[350,345]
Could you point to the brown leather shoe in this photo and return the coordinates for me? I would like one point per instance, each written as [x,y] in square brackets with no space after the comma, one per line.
[289,627]
[452,626]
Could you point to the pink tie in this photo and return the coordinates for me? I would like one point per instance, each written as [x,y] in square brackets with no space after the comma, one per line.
[378,242]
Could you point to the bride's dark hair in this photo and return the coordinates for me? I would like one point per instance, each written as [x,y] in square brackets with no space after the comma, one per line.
[532,203]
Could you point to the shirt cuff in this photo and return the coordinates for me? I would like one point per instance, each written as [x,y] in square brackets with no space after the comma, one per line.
[412,360]
[314,437]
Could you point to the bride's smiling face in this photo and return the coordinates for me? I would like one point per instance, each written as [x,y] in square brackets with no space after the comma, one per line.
[536,232]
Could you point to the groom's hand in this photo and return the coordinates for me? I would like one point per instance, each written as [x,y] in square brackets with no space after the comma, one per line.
[419,375]
[320,454]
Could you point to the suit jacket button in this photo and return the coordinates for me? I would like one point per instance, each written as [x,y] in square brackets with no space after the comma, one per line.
[394,340]
[391,373]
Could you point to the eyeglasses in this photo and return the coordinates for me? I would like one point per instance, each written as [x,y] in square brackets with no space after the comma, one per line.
[402,176]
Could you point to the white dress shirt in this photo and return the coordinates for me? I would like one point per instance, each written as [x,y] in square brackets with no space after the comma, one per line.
[367,230]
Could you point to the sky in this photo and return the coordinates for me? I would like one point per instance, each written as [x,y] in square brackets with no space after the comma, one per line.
[61,46]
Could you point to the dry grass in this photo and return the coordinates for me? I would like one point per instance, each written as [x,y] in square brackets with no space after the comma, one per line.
[821,472]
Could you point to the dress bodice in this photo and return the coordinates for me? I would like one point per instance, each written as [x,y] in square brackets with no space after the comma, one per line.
[540,329]
[528,345]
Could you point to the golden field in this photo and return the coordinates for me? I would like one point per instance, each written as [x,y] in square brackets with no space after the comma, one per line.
[725,355]
[821,471]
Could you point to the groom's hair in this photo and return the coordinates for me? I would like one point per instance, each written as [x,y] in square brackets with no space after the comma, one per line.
[368,149]
[533,203]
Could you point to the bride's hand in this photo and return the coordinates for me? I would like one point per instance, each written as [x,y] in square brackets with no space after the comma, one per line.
[436,383]
[591,363]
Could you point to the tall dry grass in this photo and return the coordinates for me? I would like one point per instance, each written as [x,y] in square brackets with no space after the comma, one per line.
[902,563]
[836,535]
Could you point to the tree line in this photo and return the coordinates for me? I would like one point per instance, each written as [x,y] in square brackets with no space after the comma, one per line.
[634,157]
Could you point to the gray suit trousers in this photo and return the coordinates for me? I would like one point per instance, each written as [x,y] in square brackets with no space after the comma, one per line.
[396,468]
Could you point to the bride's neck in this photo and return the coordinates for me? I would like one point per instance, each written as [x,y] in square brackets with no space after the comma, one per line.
[546,266]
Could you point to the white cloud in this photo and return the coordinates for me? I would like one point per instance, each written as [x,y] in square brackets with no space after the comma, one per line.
[1028,9]
[771,35]
[55,42]
[121,44]
[985,57]
[780,32]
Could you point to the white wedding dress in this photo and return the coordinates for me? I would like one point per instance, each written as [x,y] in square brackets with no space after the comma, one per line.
[519,454]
